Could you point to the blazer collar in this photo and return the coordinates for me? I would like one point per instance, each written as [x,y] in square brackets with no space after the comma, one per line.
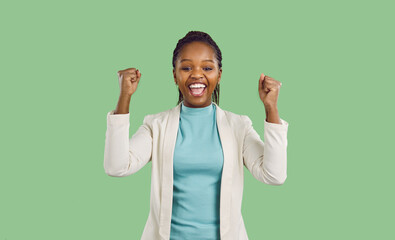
[228,146]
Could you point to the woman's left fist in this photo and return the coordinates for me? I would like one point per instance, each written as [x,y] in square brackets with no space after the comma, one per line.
[268,89]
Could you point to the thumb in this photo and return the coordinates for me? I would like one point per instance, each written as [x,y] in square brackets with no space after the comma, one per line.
[261,79]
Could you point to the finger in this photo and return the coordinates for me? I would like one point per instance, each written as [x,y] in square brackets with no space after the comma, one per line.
[273,86]
[269,79]
[266,83]
[265,86]
[134,73]
[134,78]
[262,76]
[261,80]
[272,80]
[130,76]
[272,83]
[130,70]
[138,74]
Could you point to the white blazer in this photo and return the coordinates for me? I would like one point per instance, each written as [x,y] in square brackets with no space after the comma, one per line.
[155,141]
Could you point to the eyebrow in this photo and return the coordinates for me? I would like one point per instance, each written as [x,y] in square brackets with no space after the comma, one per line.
[207,60]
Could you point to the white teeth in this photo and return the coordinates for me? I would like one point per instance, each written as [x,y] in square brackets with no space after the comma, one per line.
[197,85]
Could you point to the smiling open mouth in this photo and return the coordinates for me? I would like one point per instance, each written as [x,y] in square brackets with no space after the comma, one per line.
[197,91]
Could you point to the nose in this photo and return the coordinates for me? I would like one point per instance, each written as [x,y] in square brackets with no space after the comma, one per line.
[196,74]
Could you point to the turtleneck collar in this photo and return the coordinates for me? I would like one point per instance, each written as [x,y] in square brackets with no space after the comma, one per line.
[197,111]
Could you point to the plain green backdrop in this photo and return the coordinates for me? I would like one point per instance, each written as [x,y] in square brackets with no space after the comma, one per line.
[59,61]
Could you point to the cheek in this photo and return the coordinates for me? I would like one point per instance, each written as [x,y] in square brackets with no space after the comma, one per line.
[211,89]
[184,89]
[182,77]
[213,72]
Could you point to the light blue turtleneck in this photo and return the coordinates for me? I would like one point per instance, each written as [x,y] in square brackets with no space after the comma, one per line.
[197,170]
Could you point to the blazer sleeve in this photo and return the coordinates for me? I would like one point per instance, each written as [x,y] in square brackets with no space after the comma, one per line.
[267,161]
[124,156]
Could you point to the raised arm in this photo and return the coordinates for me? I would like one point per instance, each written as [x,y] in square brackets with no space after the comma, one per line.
[267,161]
[124,156]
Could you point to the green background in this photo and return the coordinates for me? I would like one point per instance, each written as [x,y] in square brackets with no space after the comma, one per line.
[58,81]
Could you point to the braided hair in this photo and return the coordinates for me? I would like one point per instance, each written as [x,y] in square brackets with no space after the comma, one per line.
[198,36]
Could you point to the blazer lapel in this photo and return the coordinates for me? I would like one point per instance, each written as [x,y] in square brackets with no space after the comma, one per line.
[170,137]
[225,133]
[226,137]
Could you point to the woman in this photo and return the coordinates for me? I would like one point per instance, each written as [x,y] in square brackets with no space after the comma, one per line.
[197,149]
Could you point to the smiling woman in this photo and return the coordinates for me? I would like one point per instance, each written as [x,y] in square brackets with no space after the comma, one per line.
[197,60]
[197,149]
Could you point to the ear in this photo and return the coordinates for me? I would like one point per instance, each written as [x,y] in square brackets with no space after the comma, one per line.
[174,75]
[219,75]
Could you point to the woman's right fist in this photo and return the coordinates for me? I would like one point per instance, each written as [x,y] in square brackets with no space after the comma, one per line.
[128,80]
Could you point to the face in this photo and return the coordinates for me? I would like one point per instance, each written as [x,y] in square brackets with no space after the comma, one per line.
[197,65]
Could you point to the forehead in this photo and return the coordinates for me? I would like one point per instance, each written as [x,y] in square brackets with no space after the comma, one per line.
[197,50]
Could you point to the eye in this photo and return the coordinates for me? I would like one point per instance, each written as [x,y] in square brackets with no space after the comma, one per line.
[206,68]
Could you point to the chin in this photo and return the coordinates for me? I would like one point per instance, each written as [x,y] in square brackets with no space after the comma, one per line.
[197,103]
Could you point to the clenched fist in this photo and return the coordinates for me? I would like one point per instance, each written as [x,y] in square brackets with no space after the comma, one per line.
[128,81]
[268,89]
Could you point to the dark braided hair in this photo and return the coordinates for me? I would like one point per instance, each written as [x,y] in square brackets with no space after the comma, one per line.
[198,36]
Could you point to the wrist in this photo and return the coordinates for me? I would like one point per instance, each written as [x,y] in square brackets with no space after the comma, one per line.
[125,96]
[271,108]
